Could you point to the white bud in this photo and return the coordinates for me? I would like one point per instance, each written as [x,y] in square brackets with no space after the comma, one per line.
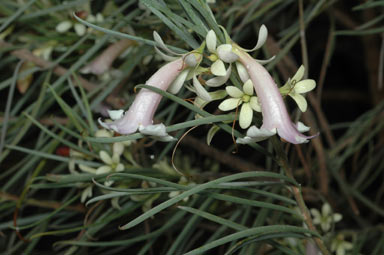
[226,54]
[63,26]
[191,60]
[211,41]
[103,133]
[99,18]
[80,29]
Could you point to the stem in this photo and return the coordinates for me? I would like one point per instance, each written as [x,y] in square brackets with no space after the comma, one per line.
[283,162]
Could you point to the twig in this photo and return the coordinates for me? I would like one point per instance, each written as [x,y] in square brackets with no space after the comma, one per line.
[283,162]
[307,169]
[326,58]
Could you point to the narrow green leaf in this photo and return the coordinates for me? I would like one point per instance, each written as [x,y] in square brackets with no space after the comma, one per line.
[196,189]
[249,232]
[214,218]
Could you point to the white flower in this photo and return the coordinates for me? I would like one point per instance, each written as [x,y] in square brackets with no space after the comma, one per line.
[326,217]
[295,86]
[219,55]
[340,245]
[112,164]
[246,99]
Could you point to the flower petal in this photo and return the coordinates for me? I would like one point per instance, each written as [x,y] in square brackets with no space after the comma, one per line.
[157,131]
[248,87]
[300,101]
[161,43]
[108,183]
[87,192]
[103,170]
[315,213]
[176,85]
[325,226]
[242,71]
[245,140]
[255,134]
[326,209]
[265,61]
[211,41]
[167,138]
[263,34]
[118,148]
[301,127]
[246,115]
[200,91]
[116,114]
[63,26]
[119,167]
[105,157]
[260,132]
[165,56]
[115,160]
[229,104]
[254,102]
[215,95]
[103,133]
[154,130]
[337,217]
[80,29]
[304,86]
[234,91]
[99,17]
[299,74]
[218,68]
[87,169]
[71,166]
[219,80]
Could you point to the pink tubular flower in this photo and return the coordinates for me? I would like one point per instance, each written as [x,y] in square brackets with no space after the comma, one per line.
[142,110]
[275,115]
[103,62]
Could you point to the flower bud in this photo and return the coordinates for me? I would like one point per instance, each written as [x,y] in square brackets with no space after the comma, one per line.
[226,54]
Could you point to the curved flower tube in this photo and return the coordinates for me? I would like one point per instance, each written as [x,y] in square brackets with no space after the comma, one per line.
[143,108]
[275,115]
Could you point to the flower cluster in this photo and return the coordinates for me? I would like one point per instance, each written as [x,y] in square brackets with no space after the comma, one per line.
[326,218]
[259,92]
[109,163]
